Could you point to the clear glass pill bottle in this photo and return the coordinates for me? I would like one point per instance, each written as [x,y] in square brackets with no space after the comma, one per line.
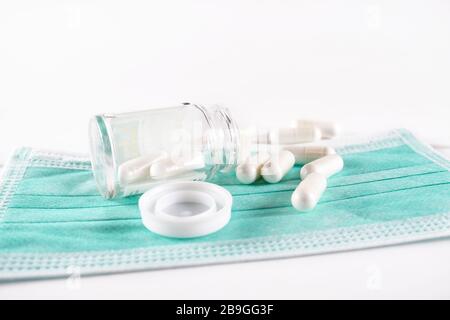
[132,152]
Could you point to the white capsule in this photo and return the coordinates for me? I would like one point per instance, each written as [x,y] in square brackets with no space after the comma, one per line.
[277,166]
[326,166]
[308,193]
[295,135]
[327,129]
[137,169]
[305,154]
[250,171]
[168,168]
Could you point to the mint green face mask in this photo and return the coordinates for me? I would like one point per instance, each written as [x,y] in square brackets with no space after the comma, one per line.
[393,189]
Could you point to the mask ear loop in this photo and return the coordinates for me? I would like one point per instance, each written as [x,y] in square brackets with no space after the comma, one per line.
[440,146]
[443,149]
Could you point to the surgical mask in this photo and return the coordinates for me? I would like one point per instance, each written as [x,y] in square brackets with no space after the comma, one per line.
[394,189]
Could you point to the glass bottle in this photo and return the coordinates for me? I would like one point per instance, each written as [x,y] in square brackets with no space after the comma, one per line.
[132,152]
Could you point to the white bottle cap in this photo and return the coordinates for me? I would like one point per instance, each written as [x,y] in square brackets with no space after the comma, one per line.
[185,209]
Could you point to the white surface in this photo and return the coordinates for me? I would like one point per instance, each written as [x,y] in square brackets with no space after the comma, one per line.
[368,64]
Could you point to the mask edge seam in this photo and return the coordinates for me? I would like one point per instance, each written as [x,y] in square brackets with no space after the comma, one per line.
[423,149]
[12,174]
[63,260]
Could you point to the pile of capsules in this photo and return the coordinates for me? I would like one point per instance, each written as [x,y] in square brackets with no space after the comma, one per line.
[319,162]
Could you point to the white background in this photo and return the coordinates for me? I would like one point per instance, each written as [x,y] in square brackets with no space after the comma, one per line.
[368,64]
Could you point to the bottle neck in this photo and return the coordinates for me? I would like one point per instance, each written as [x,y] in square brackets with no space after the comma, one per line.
[222,138]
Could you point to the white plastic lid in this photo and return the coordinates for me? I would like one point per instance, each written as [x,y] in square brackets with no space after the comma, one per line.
[185,209]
